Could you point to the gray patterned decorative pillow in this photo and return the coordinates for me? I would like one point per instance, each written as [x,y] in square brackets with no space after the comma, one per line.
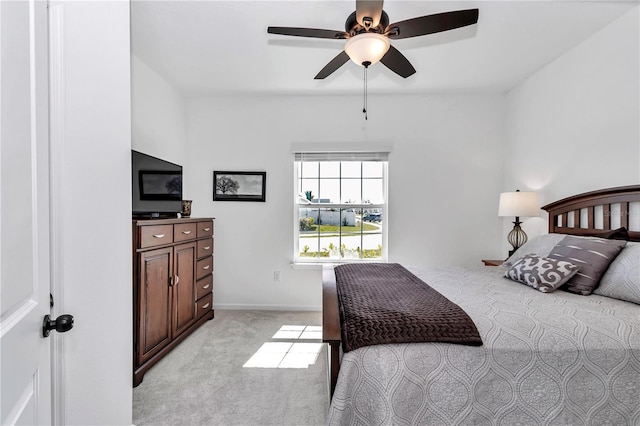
[592,255]
[622,279]
[541,273]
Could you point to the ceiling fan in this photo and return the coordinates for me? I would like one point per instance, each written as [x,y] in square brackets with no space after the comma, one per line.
[367,31]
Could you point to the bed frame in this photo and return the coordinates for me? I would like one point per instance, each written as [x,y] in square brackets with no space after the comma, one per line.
[585,211]
[575,207]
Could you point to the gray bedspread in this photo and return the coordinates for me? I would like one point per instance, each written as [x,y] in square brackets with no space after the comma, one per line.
[547,359]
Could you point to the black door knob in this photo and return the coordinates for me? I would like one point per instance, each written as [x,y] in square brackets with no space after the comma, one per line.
[61,324]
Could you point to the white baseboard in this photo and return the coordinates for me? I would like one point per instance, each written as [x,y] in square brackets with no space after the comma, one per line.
[241,307]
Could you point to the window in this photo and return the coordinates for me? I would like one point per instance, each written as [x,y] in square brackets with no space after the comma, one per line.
[340,207]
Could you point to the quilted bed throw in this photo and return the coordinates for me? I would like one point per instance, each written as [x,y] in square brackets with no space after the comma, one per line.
[385,303]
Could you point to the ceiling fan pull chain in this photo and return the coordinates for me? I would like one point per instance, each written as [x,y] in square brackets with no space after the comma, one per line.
[364,109]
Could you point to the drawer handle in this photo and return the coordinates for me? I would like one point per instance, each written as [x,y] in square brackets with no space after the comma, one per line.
[177,280]
[205,306]
[206,229]
[158,235]
[206,267]
[186,232]
[206,248]
[205,287]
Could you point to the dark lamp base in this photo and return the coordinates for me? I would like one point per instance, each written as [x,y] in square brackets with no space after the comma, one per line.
[517,237]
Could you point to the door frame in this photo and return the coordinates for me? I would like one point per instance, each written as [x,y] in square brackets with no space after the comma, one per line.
[89,59]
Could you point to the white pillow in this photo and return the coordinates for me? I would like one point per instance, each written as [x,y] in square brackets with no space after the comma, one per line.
[540,245]
[622,279]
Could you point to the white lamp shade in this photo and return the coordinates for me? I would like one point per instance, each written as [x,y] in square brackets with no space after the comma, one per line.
[367,47]
[520,204]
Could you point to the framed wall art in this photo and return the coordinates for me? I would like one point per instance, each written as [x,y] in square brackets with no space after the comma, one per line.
[239,186]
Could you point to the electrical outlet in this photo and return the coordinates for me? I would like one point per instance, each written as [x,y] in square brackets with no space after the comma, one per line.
[276,276]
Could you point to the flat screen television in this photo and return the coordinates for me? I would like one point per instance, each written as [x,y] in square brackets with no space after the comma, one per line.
[156,186]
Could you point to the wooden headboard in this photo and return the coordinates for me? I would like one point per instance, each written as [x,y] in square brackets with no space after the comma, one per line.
[592,212]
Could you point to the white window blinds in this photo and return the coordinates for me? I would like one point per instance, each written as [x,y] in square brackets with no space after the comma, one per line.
[340,152]
[341,156]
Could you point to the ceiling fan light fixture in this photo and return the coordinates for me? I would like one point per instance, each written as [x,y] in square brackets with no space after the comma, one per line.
[367,47]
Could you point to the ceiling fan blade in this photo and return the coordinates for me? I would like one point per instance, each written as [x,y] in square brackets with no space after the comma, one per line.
[335,63]
[432,24]
[396,62]
[308,32]
[368,9]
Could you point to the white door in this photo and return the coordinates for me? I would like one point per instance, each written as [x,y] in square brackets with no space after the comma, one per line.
[25,380]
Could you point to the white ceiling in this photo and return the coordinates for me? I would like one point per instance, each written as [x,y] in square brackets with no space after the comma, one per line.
[211,47]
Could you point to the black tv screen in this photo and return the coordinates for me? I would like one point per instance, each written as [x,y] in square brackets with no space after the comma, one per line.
[156,186]
[160,185]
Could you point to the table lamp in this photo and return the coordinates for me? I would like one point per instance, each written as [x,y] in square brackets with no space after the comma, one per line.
[518,204]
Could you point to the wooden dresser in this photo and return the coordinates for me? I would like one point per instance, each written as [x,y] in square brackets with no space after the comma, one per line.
[172,285]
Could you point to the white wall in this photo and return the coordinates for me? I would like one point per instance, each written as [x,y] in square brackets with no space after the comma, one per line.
[158,115]
[452,157]
[91,207]
[574,126]
[445,174]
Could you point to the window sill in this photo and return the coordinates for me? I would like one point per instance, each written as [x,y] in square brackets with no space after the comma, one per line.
[319,265]
[295,265]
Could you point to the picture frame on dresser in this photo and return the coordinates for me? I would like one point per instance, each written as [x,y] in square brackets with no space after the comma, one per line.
[239,186]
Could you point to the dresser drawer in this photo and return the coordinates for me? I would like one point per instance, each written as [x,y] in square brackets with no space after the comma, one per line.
[184,231]
[155,235]
[204,286]
[205,229]
[204,267]
[204,305]
[205,248]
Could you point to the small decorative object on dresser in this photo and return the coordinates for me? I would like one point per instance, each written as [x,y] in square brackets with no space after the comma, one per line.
[172,285]
[186,208]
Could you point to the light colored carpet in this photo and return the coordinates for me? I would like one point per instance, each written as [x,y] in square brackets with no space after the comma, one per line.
[203,382]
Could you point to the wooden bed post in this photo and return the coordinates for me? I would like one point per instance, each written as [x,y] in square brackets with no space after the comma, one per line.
[331,324]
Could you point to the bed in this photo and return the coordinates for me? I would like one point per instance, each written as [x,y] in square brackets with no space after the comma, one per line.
[547,358]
